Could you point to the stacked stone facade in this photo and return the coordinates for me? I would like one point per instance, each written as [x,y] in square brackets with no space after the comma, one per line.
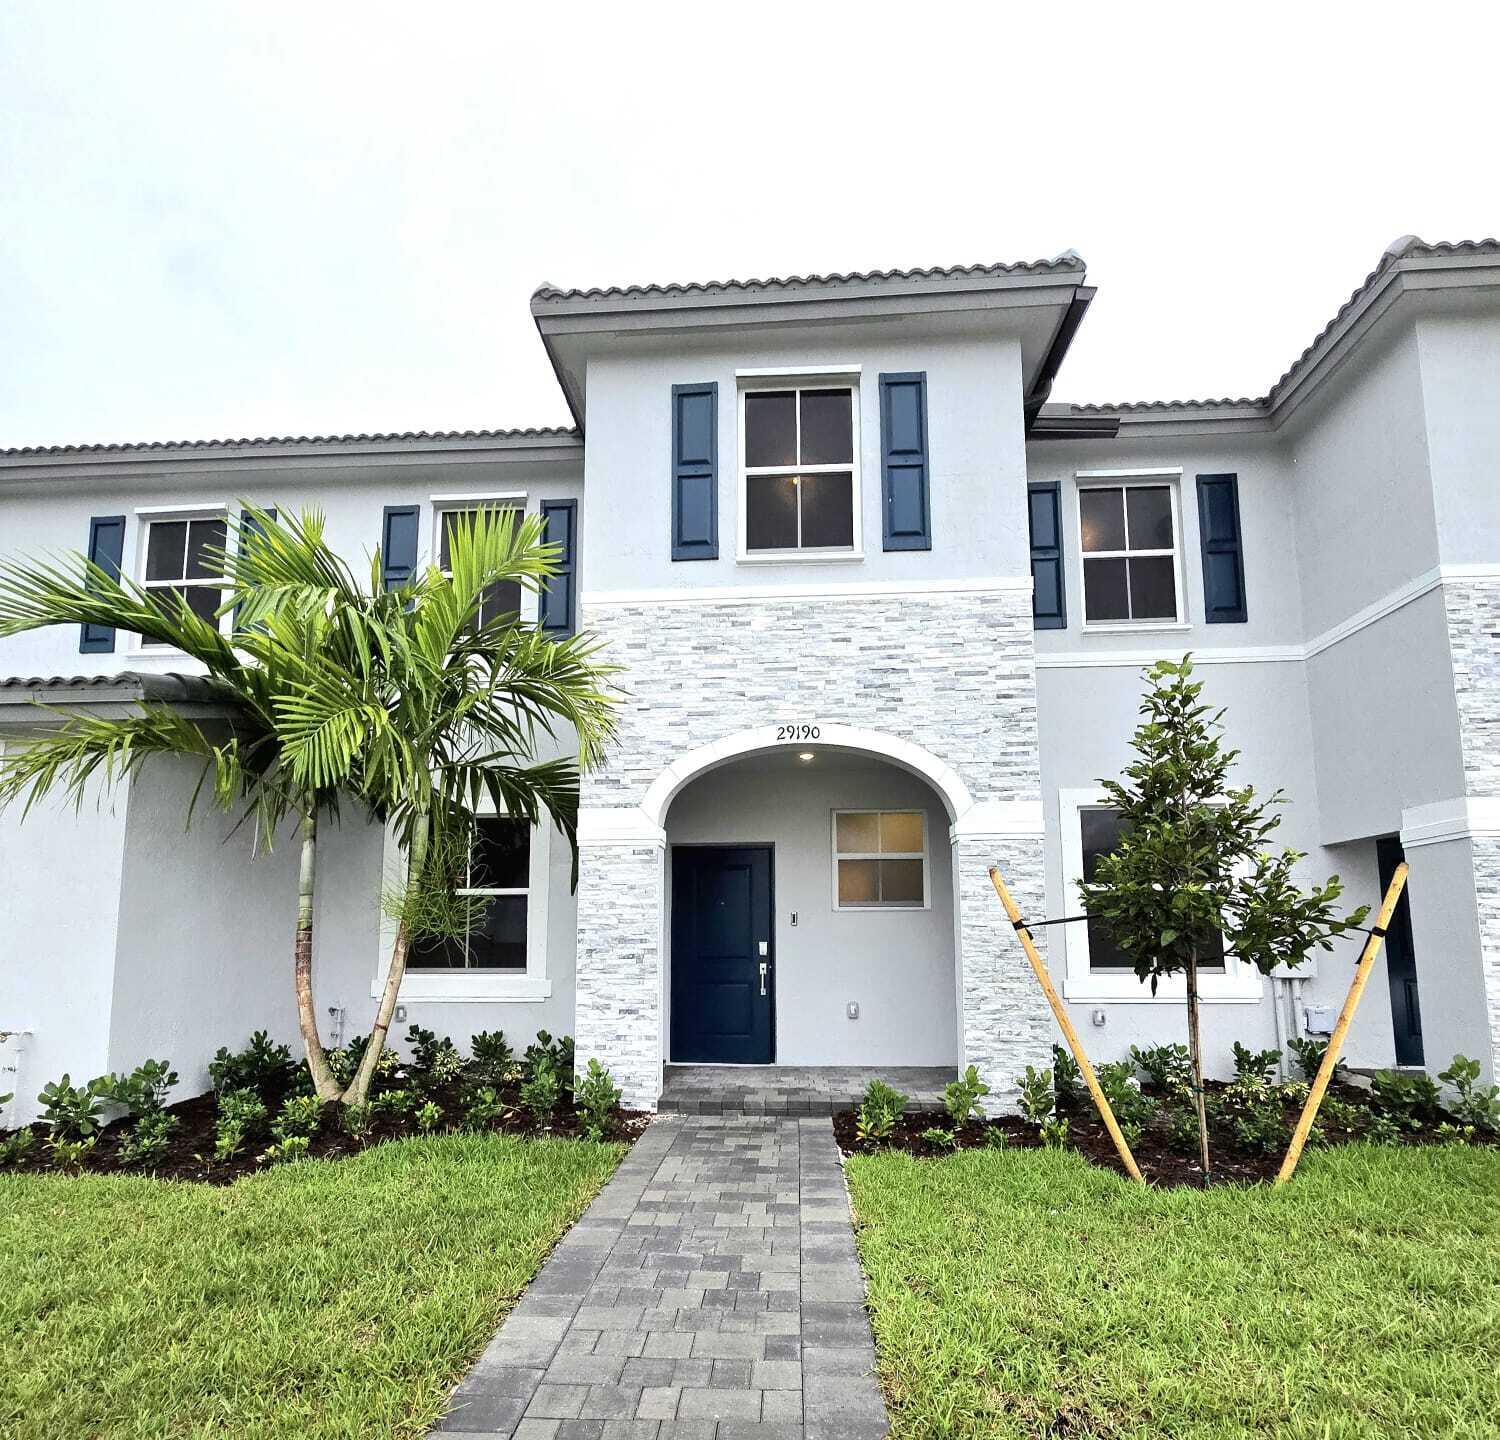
[1473,610]
[950,671]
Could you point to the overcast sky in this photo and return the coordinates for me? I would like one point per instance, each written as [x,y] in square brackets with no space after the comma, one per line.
[224,221]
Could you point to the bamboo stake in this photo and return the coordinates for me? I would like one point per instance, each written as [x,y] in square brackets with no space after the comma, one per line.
[1066,1025]
[1346,1015]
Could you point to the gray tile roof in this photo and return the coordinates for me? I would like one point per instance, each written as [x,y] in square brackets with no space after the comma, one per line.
[122,684]
[1408,247]
[1066,263]
[529,432]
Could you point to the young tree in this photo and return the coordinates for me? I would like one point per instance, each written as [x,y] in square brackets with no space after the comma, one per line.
[412,703]
[1193,863]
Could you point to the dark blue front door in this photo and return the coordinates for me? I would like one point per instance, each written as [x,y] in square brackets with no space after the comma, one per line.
[722,973]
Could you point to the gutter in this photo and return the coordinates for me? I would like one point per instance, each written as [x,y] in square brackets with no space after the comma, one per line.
[1062,339]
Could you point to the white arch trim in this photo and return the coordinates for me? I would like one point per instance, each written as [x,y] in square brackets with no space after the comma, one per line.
[646,822]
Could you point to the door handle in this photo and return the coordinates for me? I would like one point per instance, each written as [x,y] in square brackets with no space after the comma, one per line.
[763,968]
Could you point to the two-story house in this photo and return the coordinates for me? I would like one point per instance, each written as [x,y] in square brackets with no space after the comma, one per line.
[882,610]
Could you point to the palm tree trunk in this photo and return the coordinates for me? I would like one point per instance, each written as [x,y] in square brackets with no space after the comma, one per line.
[307,1012]
[1195,1047]
[359,1087]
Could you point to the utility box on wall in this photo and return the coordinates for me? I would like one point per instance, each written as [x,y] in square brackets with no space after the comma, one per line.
[12,1055]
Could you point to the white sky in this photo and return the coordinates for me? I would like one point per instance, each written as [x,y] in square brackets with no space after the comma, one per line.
[221,221]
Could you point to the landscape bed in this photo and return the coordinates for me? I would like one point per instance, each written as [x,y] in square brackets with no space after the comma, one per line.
[321,1301]
[1032,1294]
[1251,1117]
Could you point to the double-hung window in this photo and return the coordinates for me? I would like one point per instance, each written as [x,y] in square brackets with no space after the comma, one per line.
[501,598]
[496,877]
[1131,567]
[879,859]
[179,562]
[800,470]
[1089,828]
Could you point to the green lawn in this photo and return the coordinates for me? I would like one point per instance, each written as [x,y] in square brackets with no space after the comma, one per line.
[317,1300]
[1030,1293]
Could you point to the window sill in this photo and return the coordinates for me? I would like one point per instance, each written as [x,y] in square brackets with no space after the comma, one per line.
[789,557]
[1131,628]
[1092,992]
[471,989]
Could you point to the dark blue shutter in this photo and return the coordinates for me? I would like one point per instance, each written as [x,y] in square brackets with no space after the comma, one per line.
[1223,561]
[1049,610]
[695,472]
[560,592]
[398,545]
[106,550]
[906,522]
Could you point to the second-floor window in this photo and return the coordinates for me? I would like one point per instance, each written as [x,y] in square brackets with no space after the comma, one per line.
[503,598]
[1128,534]
[179,560]
[800,476]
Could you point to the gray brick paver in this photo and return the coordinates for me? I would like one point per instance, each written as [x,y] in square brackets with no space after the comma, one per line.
[712,1292]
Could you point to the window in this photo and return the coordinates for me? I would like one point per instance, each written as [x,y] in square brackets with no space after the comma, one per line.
[179,559]
[502,598]
[801,475]
[498,872]
[1128,534]
[880,859]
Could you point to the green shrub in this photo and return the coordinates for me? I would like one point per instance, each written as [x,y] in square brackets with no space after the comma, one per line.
[71,1112]
[1038,1100]
[434,1061]
[1476,1106]
[149,1140]
[557,1055]
[882,1106]
[70,1154]
[485,1109]
[1168,1067]
[357,1120]
[142,1092]
[491,1056]
[540,1092]
[299,1117]
[288,1148]
[396,1103]
[1253,1113]
[1133,1108]
[1255,1064]
[1406,1100]
[1054,1132]
[429,1117]
[345,1061]
[242,1114]
[15,1148]
[940,1139]
[961,1098]
[597,1100]
[1182,1127]
[1067,1078]
[264,1067]
[1309,1053]
[995,1138]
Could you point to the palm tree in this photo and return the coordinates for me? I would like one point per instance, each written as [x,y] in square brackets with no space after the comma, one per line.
[412,703]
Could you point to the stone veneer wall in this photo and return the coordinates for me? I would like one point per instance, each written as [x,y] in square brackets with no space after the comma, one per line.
[951,671]
[1473,610]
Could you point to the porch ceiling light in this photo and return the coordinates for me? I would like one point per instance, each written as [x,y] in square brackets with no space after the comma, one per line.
[806,757]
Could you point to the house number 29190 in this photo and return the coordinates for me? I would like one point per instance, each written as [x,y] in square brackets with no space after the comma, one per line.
[797,732]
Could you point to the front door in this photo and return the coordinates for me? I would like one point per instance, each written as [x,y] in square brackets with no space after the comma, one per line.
[722,973]
[1401,960]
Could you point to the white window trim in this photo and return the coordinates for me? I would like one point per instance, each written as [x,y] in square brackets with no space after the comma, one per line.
[530,611]
[925,857]
[1238,984]
[801,380]
[475,985]
[1127,480]
[146,517]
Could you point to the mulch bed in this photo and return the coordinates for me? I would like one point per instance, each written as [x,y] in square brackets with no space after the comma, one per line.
[1159,1161]
[190,1153]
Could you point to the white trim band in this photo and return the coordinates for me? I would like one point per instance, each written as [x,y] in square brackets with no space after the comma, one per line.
[1464,817]
[802,590]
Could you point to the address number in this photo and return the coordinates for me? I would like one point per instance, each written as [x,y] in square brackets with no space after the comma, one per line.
[797,732]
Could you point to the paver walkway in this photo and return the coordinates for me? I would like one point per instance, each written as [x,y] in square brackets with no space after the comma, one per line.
[710,1292]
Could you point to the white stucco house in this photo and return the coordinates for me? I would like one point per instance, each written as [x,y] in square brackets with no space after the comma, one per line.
[882,610]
